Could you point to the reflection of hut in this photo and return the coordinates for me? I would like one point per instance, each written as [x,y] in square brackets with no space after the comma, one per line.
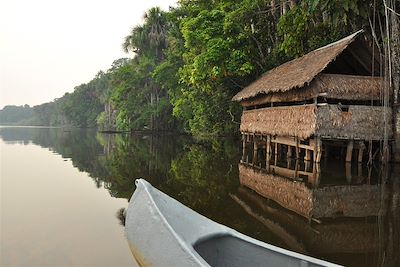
[357,238]
[332,93]
[318,202]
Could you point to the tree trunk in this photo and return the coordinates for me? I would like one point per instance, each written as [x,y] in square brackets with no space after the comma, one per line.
[394,29]
[284,6]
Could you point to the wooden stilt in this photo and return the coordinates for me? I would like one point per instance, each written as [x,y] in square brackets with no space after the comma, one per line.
[361,148]
[348,172]
[255,150]
[315,179]
[360,154]
[349,151]
[243,147]
[289,163]
[297,148]
[307,155]
[317,150]
[267,162]
[268,145]
[289,151]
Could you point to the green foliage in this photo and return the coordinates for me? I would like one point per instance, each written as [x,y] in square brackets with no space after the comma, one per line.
[315,23]
[84,105]
[15,114]
[221,52]
[142,103]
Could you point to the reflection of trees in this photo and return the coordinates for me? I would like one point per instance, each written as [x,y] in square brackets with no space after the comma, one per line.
[135,157]
[202,174]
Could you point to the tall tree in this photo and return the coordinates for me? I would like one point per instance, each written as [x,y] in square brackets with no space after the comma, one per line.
[148,42]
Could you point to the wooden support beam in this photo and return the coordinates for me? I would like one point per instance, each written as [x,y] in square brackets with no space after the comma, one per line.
[255,150]
[315,179]
[348,172]
[296,169]
[268,145]
[267,162]
[360,155]
[289,151]
[297,148]
[307,155]
[318,150]
[243,147]
[349,151]
[291,141]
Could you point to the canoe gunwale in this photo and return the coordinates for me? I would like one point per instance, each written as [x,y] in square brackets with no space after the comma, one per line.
[142,184]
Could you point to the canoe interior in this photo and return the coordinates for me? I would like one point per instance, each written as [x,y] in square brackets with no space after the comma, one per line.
[226,250]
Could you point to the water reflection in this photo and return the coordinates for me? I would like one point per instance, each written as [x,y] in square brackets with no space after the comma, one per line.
[348,215]
[343,213]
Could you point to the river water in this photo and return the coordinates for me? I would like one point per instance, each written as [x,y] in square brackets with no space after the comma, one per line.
[62,190]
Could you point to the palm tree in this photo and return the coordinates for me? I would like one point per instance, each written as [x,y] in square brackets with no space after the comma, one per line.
[149,40]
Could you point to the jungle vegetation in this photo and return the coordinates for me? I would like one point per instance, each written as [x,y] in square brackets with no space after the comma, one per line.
[190,60]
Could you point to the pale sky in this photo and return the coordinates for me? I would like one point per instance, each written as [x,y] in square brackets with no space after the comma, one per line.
[47,47]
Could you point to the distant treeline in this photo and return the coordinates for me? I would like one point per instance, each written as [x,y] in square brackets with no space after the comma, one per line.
[190,61]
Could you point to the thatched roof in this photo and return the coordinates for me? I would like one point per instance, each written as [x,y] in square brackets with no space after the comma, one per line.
[297,72]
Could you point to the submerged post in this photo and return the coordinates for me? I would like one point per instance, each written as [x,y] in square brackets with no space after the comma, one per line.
[349,152]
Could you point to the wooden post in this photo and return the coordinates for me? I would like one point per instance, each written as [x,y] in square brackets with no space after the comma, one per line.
[361,148]
[348,172]
[307,155]
[297,148]
[317,150]
[360,154]
[349,151]
[244,147]
[289,151]
[267,162]
[315,178]
[255,150]
[289,163]
[268,145]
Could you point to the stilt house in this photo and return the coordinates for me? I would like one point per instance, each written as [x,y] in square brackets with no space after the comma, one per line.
[332,93]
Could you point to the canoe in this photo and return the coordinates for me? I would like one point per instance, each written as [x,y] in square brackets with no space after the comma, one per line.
[163,232]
